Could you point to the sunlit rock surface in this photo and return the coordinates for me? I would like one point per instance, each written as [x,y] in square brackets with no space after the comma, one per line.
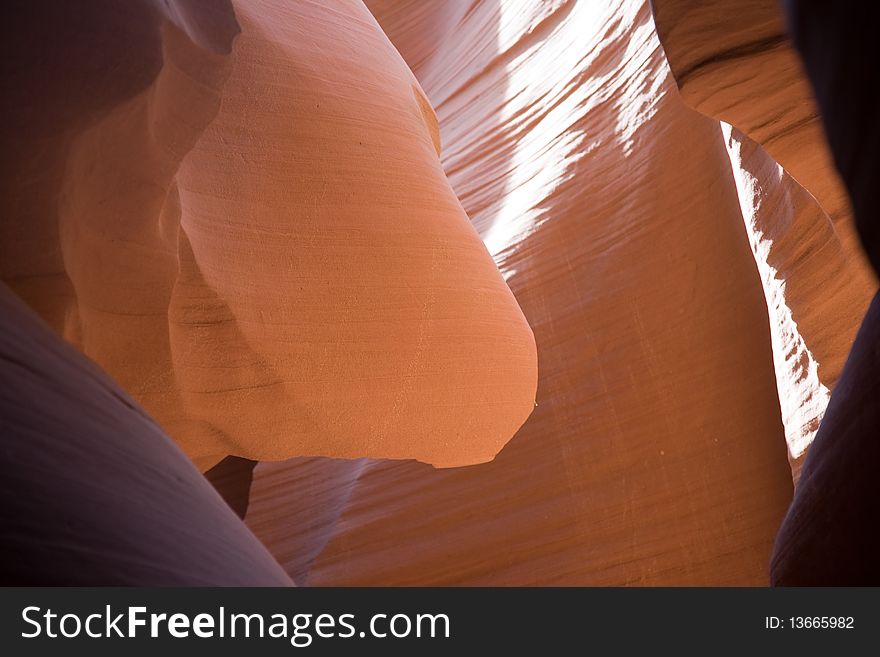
[308,229]
[733,61]
[656,454]
[253,234]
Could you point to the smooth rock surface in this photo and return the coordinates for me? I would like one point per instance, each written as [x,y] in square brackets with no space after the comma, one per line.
[288,229]
[93,493]
[656,454]
[253,234]
[733,61]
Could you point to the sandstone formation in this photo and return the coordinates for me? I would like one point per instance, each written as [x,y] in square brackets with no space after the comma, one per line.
[376,323]
[733,61]
[656,454]
[255,236]
[494,292]
[93,493]
[232,478]
[807,283]
[830,535]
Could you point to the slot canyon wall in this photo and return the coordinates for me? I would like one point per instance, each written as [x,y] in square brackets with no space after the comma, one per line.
[434,292]
[656,452]
[281,271]
[734,61]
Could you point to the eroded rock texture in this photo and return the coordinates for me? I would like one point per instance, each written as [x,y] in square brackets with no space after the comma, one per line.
[253,233]
[93,493]
[656,454]
[734,61]
[94,124]
[232,478]
[830,535]
[309,229]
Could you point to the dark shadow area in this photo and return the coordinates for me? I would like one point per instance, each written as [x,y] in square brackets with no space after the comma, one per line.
[831,535]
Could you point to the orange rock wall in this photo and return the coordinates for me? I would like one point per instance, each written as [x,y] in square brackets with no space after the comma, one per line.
[369,232]
[656,454]
[256,238]
[733,61]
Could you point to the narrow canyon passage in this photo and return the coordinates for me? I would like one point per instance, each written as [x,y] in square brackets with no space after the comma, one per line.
[657,451]
[437,292]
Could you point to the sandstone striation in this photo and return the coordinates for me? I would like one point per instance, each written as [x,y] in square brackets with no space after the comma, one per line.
[733,61]
[93,493]
[656,454]
[830,534]
[437,292]
[252,232]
